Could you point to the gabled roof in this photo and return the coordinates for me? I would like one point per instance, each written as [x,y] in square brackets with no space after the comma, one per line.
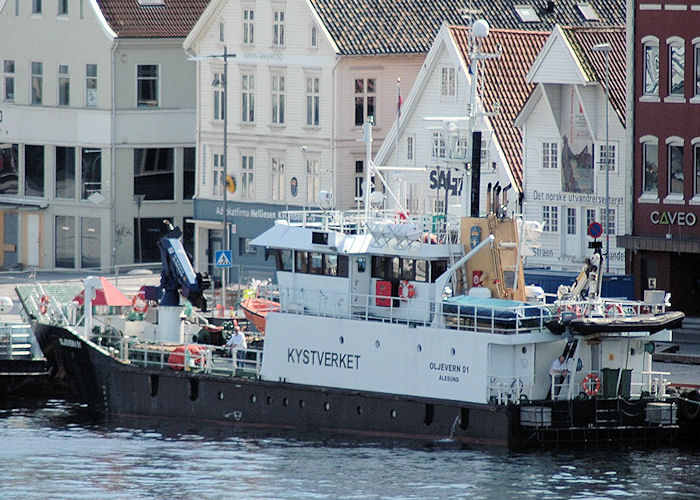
[375,27]
[504,82]
[582,40]
[172,19]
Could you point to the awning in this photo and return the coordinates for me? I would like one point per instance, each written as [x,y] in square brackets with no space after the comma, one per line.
[108,295]
[656,244]
[17,203]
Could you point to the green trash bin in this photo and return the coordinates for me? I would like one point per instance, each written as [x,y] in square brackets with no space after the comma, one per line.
[609,381]
[625,383]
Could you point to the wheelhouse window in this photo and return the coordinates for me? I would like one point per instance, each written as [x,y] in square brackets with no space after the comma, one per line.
[283,258]
[154,173]
[9,167]
[365,99]
[676,61]
[147,85]
[675,167]
[33,170]
[395,268]
[650,68]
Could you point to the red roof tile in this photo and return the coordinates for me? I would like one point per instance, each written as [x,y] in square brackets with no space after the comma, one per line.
[504,82]
[173,19]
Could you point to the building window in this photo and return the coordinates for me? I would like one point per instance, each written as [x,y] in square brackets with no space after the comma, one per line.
[314,37]
[676,70]
[244,246]
[527,13]
[222,32]
[37,82]
[438,206]
[313,180]
[278,89]
[188,173]
[248,98]
[91,85]
[9,168]
[312,101]
[65,241]
[550,217]
[410,148]
[448,83]
[365,99]
[359,179]
[651,68]
[91,171]
[696,77]
[459,147]
[590,216]
[607,157]
[570,220]
[248,26]
[550,155]
[608,222]
[219,103]
[154,173]
[696,168]
[36,6]
[650,161]
[33,170]
[90,243]
[63,85]
[8,68]
[675,168]
[218,177]
[438,145]
[278,182]
[65,173]
[147,85]
[278,28]
[62,7]
[247,177]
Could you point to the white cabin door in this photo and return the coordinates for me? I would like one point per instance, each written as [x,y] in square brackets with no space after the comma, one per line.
[571,230]
[360,281]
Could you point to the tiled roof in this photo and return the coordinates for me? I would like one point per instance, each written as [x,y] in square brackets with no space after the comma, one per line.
[173,19]
[504,82]
[361,27]
[582,41]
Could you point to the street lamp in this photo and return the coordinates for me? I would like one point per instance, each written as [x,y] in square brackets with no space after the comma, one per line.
[605,49]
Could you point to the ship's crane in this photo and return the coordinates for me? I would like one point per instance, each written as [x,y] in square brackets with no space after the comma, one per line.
[177,275]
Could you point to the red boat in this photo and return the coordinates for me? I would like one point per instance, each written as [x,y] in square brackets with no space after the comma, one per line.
[256,309]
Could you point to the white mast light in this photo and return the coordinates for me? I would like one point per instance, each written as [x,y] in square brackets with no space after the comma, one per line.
[480,28]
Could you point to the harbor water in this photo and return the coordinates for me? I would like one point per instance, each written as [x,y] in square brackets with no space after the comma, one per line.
[57,449]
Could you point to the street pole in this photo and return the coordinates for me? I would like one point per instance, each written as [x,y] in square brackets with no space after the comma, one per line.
[605,49]
[224,107]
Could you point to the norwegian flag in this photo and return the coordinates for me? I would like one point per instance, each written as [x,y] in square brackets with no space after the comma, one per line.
[399,100]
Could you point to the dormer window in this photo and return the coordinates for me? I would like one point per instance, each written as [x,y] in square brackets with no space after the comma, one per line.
[151,2]
[587,11]
[527,13]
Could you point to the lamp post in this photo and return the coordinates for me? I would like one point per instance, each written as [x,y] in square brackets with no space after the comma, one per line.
[605,49]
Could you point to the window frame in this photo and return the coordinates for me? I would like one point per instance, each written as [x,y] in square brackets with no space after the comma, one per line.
[675,144]
[8,75]
[248,97]
[647,143]
[313,101]
[448,83]
[63,79]
[248,29]
[91,85]
[247,176]
[37,83]
[218,98]
[278,177]
[602,152]
[676,77]
[695,144]
[550,216]
[550,155]
[62,8]
[278,28]
[218,181]
[140,101]
[650,77]
[313,179]
[278,85]
[363,97]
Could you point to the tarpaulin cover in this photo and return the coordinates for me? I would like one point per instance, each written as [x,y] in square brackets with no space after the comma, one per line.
[505,312]
[109,295]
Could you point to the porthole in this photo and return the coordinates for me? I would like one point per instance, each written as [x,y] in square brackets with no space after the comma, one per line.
[302,403]
[253,399]
[419,348]
[327,406]
[524,349]
[342,340]
[268,400]
[453,351]
[221,395]
[285,402]
[359,410]
[392,413]
[376,344]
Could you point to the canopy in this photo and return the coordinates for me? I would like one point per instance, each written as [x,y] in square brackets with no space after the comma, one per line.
[109,295]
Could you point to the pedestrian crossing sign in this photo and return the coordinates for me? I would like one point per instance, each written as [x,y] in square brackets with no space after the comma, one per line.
[223,258]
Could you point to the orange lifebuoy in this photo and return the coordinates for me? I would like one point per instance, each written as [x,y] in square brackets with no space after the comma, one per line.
[44,304]
[613,310]
[139,304]
[406,290]
[591,384]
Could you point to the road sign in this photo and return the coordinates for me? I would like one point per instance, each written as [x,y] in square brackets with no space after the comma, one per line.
[223,258]
[595,230]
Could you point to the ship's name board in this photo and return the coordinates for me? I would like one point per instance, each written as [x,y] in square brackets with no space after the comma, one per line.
[580,198]
[673,218]
[323,358]
[448,371]
[70,343]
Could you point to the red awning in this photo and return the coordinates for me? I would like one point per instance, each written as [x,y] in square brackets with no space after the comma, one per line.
[109,295]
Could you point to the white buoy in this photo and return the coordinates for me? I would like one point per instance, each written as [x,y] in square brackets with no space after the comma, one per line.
[6,305]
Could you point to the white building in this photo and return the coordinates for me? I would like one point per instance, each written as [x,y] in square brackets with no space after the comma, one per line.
[97,108]
[564,144]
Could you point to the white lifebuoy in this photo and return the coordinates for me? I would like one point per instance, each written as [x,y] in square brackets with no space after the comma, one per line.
[139,303]
[44,304]
[613,310]
[406,290]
